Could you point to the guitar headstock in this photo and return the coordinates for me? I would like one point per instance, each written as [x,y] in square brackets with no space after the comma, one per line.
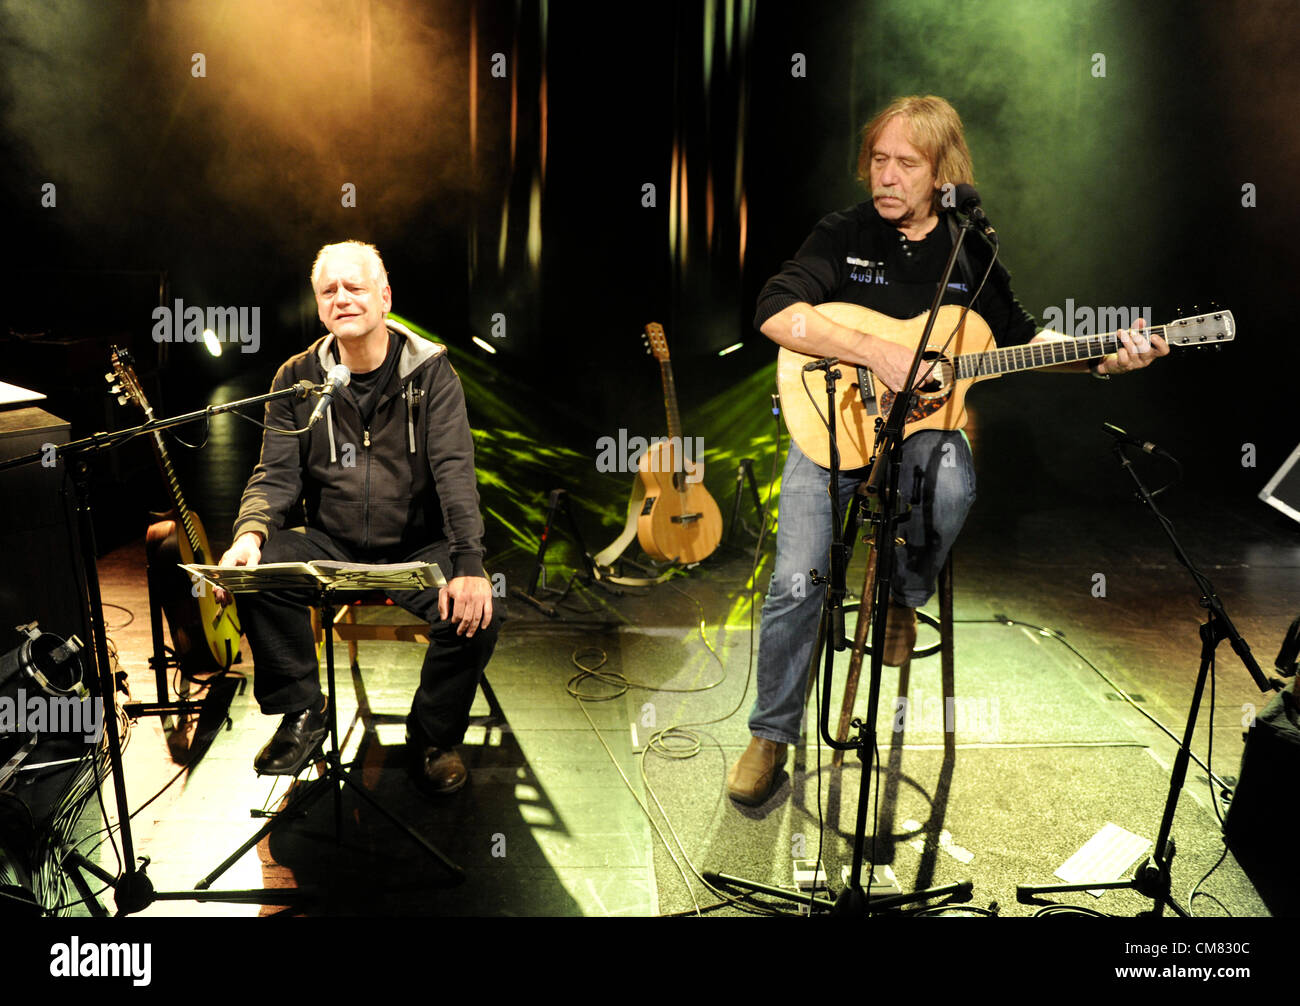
[123,382]
[656,342]
[1210,329]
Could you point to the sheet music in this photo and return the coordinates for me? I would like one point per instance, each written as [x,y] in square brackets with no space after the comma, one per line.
[340,576]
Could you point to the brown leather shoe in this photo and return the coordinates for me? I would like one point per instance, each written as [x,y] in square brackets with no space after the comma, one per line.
[752,776]
[900,635]
[439,771]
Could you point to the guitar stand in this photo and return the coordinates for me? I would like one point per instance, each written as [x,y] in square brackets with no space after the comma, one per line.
[161,661]
[537,591]
[745,474]
[334,778]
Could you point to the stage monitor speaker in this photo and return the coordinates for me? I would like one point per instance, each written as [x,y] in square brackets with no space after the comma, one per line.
[1256,827]
[1283,489]
[39,572]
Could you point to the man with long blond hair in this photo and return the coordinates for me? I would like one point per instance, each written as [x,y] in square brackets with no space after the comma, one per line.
[886,254]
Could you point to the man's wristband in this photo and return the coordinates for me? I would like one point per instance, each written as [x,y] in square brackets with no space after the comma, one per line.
[1092,369]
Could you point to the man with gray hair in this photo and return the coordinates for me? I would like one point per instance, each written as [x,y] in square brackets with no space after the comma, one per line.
[387,477]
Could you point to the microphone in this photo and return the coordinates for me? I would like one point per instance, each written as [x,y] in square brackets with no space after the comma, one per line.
[968,201]
[1124,438]
[338,377]
[825,363]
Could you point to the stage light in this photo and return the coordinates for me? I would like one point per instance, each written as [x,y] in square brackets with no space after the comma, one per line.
[212,342]
[730,349]
[487,347]
[45,660]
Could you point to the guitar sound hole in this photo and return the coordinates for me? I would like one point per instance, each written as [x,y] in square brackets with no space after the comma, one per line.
[933,393]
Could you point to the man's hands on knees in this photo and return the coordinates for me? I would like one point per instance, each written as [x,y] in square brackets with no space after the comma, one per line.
[246,551]
[467,600]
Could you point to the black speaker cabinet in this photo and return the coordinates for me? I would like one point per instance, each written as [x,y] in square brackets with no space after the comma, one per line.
[1256,828]
[39,570]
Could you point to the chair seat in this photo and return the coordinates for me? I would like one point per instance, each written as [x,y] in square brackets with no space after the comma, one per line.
[402,628]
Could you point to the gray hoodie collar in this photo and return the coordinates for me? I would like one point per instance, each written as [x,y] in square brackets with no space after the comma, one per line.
[415,350]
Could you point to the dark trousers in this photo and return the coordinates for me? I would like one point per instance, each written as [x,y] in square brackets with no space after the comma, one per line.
[286,676]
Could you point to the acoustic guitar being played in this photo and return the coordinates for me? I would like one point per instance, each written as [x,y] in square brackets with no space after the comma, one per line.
[972,355]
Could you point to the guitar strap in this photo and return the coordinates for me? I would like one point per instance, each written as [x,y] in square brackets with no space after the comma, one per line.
[611,553]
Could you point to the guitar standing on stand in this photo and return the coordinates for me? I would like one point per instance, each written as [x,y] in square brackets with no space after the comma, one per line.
[205,636]
[679,521]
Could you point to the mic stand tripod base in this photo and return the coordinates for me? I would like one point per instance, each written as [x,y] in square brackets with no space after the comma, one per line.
[853,901]
[334,779]
[1152,880]
[768,889]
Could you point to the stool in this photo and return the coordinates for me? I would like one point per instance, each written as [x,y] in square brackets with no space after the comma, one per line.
[944,646]
[410,630]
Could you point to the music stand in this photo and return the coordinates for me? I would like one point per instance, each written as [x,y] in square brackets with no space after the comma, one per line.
[326,579]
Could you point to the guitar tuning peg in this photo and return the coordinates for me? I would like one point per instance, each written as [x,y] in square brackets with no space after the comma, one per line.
[108,378]
[121,399]
[114,389]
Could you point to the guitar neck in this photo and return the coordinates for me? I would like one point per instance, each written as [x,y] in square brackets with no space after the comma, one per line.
[1041,354]
[178,499]
[670,401]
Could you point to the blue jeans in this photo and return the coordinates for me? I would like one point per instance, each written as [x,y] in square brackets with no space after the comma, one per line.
[937,477]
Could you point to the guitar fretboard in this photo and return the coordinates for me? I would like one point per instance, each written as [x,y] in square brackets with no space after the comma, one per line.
[1048,354]
[670,402]
[174,485]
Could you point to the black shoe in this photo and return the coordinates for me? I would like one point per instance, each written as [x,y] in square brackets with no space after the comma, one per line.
[437,771]
[299,736]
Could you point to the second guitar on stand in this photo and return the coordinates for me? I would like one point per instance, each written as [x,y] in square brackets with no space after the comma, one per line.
[679,520]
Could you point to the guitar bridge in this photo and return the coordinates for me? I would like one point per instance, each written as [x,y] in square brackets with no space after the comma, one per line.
[867,391]
[686,518]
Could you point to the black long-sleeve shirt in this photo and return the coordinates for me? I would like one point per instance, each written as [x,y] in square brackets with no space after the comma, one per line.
[856,257]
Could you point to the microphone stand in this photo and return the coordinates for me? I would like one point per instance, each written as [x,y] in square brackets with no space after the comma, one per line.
[1153,878]
[132,891]
[884,468]
[854,900]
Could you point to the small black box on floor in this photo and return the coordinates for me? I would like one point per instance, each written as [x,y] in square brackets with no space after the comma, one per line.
[1255,828]
[1283,489]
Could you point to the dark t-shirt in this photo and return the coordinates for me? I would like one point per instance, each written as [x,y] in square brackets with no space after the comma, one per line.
[856,257]
[365,388]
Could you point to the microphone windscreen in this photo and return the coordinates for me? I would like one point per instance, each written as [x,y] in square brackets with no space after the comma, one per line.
[966,197]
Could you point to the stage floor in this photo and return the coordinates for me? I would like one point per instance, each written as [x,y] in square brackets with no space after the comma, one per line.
[1044,752]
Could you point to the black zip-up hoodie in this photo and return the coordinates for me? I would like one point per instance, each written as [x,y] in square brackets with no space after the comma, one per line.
[386,490]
